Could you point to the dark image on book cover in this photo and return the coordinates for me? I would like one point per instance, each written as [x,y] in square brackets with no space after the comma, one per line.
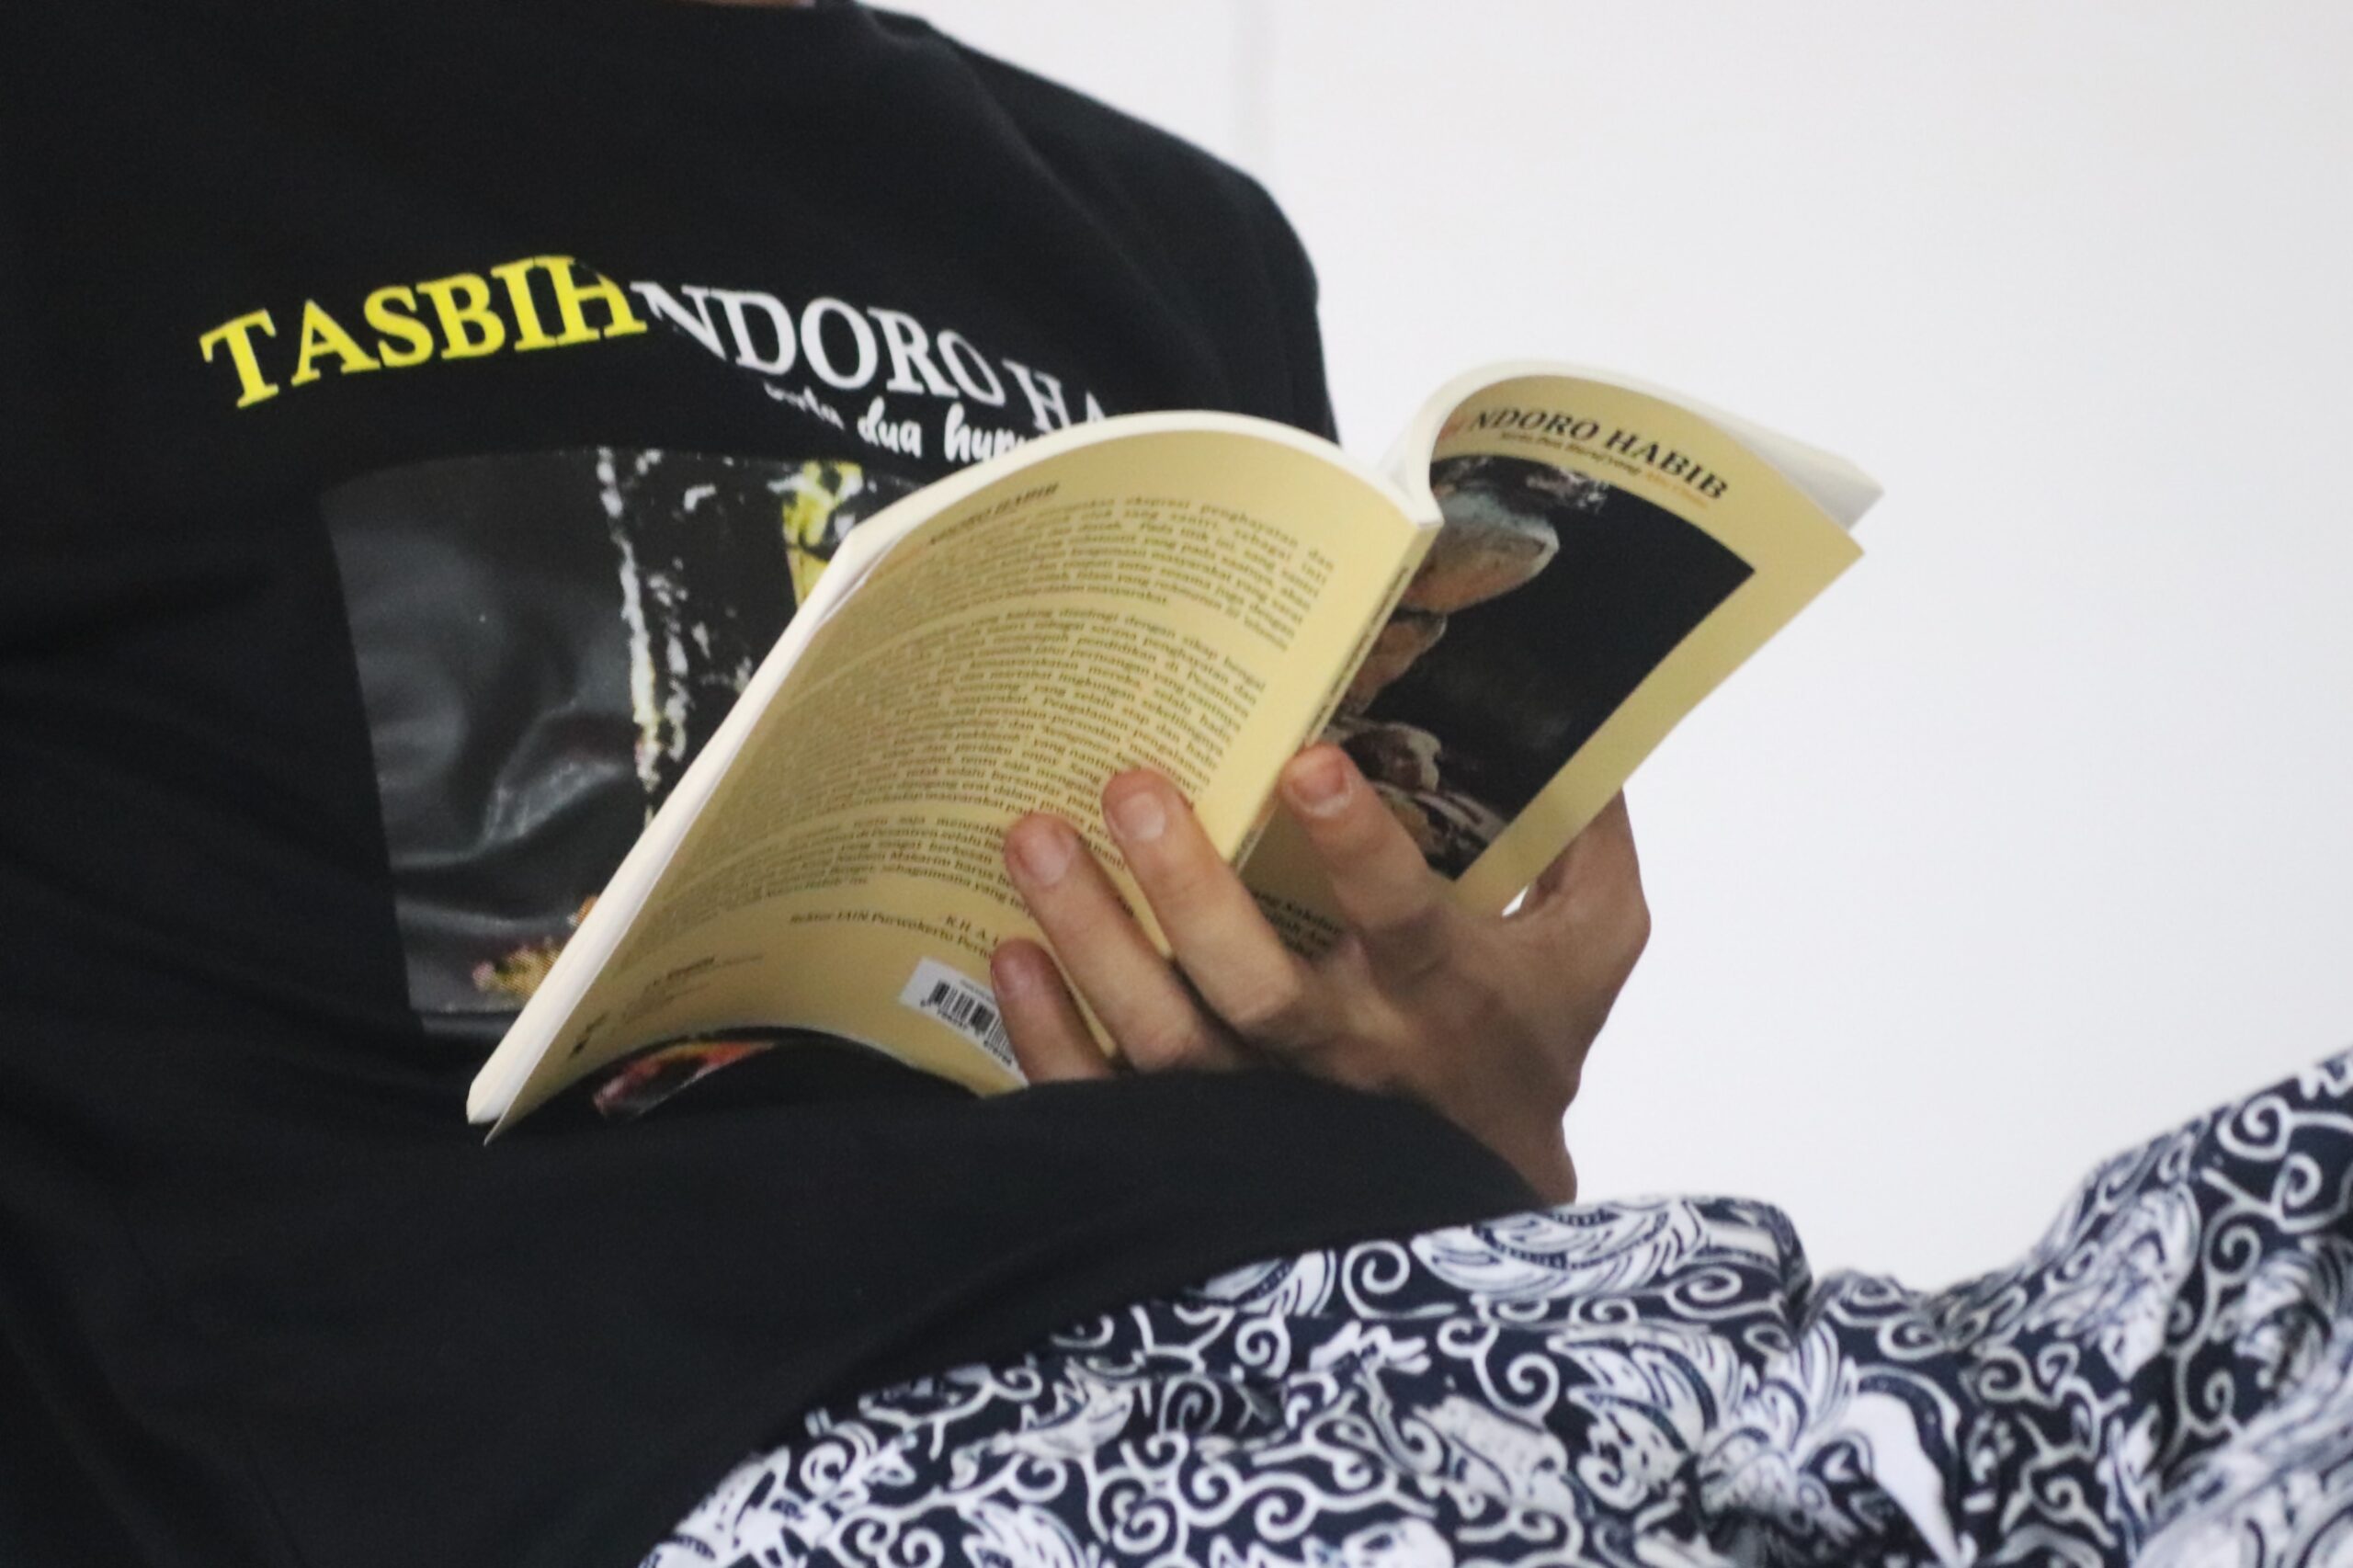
[1544,602]
[544,642]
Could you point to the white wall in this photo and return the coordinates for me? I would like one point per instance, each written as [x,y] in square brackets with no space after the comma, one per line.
[2035,833]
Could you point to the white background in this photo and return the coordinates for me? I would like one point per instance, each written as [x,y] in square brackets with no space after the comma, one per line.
[2034,834]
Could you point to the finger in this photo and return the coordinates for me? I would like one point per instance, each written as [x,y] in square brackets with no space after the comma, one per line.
[1587,915]
[1214,927]
[1610,833]
[1387,893]
[1597,876]
[1051,1040]
[1147,1009]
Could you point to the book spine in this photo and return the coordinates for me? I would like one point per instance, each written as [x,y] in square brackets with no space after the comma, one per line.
[1321,716]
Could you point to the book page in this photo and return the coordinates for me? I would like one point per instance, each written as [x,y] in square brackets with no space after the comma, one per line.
[1188,598]
[1608,557]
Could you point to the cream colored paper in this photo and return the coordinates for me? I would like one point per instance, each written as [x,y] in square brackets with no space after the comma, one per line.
[1181,592]
[1762,497]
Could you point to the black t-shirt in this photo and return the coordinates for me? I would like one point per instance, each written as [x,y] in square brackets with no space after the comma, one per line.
[410,430]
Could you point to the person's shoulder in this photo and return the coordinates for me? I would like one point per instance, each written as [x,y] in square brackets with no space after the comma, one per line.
[1080,136]
[1207,233]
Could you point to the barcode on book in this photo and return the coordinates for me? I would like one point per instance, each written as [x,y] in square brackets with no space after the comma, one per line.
[962,1003]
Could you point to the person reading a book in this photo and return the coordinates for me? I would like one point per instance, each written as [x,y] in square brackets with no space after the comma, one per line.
[417,424]
[390,527]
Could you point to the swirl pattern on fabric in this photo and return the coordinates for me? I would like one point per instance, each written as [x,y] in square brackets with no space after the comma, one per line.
[2165,1379]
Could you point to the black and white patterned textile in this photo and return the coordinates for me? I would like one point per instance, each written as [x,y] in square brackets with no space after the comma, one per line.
[2166,1379]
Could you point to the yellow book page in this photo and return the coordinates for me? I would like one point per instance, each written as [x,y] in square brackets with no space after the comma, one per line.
[1607,559]
[1183,599]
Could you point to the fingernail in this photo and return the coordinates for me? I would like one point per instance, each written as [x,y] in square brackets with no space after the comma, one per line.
[1009,977]
[1318,783]
[1042,850]
[1137,815]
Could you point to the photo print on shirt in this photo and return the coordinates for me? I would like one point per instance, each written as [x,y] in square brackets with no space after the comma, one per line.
[544,642]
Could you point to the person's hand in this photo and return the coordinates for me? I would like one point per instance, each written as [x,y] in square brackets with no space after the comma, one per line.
[1485,1018]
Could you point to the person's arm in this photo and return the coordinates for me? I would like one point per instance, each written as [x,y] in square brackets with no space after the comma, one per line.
[1487,1020]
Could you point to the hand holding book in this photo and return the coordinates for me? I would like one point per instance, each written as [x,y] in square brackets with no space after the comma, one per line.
[1484,1017]
[1496,625]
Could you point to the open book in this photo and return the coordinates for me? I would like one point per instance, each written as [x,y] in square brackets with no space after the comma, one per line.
[1550,570]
